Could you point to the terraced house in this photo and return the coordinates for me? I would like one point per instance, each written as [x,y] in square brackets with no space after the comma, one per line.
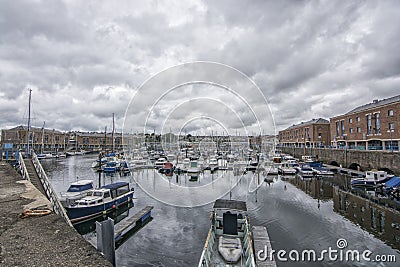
[374,126]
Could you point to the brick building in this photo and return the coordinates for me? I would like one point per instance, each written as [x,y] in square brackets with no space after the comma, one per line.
[313,133]
[40,139]
[374,126]
[46,140]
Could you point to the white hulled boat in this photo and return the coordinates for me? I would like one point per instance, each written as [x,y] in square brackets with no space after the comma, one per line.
[229,241]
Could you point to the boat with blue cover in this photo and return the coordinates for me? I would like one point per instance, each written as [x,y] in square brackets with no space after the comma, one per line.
[76,191]
[372,178]
[99,201]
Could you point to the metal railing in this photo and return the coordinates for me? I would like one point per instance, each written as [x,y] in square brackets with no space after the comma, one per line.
[22,167]
[50,192]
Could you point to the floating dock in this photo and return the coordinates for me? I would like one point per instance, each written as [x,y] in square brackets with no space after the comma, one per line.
[262,243]
[125,226]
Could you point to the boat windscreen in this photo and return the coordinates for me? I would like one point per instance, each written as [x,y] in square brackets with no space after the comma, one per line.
[230,224]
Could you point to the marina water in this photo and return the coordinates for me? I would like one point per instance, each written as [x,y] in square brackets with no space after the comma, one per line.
[297,218]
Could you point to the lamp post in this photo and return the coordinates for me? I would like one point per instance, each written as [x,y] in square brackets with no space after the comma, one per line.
[390,131]
[345,149]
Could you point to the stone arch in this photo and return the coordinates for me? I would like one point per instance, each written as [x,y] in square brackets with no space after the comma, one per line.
[334,163]
[355,166]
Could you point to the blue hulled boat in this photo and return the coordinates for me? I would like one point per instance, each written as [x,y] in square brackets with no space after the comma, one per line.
[100,201]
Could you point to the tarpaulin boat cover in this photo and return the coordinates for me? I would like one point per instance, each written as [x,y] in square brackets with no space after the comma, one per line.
[394,182]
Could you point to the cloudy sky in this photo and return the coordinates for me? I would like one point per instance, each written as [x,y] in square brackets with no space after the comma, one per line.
[85,60]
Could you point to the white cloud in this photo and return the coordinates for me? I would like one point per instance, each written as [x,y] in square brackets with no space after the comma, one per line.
[85,59]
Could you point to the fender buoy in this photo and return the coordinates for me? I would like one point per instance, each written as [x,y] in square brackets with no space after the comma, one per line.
[113,206]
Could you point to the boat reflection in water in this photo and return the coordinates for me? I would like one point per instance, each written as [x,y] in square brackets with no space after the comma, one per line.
[382,222]
[378,219]
[117,215]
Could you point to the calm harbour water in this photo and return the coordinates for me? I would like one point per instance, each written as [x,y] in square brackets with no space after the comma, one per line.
[176,236]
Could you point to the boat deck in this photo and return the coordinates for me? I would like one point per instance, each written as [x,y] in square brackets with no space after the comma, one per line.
[218,260]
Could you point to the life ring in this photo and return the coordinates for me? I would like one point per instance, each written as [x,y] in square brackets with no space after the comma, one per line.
[28,213]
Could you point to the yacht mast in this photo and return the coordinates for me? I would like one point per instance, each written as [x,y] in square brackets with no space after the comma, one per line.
[42,137]
[112,135]
[29,124]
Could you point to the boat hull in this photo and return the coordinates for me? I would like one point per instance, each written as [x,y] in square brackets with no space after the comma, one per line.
[79,214]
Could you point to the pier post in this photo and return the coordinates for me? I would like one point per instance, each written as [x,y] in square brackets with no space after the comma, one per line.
[105,239]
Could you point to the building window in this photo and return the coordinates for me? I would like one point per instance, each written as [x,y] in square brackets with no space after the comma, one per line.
[369,124]
[350,120]
[358,119]
[390,112]
[391,126]
[377,123]
[337,129]
[342,127]
[350,130]
[358,129]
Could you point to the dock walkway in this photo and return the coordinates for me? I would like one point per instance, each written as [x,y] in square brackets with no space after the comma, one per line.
[262,242]
[37,241]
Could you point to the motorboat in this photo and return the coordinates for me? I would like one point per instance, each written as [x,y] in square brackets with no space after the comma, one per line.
[306,171]
[186,164]
[286,168]
[45,156]
[318,169]
[167,168]
[371,179]
[124,167]
[229,241]
[138,162]
[160,162]
[76,191]
[99,201]
[213,164]
[111,167]
[194,167]
[98,163]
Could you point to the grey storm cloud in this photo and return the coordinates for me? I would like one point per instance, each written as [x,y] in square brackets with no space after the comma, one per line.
[85,60]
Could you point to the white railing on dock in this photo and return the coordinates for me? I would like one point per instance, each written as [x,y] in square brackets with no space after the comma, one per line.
[48,188]
[22,167]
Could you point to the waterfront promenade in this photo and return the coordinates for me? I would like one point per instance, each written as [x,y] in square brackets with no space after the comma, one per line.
[37,241]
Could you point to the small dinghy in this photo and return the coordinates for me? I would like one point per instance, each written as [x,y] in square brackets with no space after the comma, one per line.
[230,248]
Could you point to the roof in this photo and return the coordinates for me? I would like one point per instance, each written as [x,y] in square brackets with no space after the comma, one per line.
[375,103]
[24,128]
[82,182]
[115,185]
[230,204]
[394,182]
[310,122]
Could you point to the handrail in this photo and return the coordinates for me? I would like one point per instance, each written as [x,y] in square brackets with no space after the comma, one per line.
[22,167]
[50,192]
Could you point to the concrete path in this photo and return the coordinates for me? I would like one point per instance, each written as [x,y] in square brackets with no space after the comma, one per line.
[37,241]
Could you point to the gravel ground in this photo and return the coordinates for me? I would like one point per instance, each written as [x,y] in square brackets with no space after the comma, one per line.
[37,241]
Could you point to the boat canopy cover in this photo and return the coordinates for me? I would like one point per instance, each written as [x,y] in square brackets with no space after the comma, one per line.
[394,182]
[79,188]
[115,185]
[230,204]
